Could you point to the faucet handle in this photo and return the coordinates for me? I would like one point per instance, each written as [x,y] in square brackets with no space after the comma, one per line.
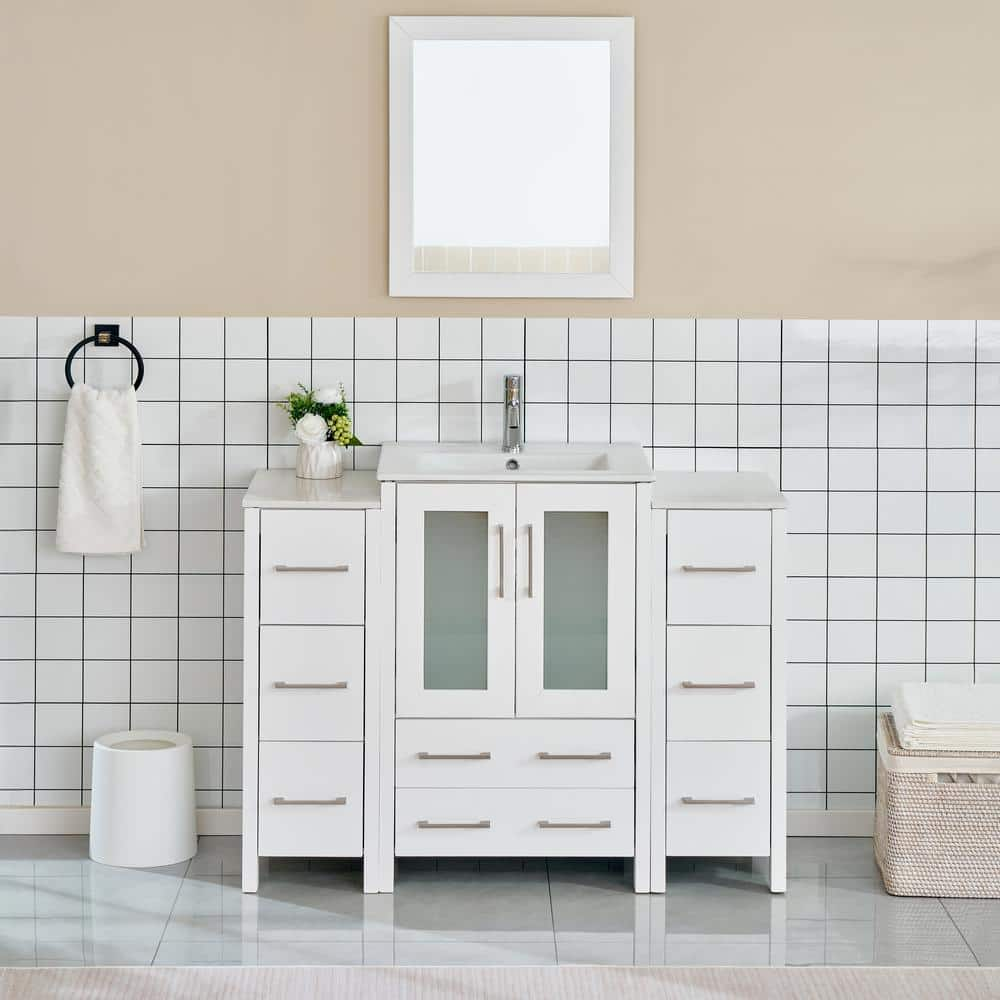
[512,388]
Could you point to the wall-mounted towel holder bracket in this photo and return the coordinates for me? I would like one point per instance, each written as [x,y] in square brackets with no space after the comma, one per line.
[107,335]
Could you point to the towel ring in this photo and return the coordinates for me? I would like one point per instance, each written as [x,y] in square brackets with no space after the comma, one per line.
[106,335]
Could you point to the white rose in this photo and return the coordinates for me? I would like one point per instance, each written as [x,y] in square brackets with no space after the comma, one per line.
[327,395]
[311,429]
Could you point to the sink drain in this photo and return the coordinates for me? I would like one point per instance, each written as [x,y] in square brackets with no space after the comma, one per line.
[513,465]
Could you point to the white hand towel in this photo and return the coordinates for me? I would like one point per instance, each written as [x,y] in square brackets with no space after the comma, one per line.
[948,716]
[100,481]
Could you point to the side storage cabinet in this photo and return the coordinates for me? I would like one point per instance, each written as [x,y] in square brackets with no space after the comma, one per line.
[310,684]
[719,672]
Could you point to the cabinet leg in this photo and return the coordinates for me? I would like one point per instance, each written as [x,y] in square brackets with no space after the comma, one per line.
[251,871]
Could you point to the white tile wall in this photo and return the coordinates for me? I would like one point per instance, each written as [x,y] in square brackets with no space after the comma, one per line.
[884,435]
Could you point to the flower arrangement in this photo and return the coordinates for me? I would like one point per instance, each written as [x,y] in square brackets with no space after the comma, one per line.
[320,415]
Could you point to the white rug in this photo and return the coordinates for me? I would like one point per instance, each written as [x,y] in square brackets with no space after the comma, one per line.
[566,983]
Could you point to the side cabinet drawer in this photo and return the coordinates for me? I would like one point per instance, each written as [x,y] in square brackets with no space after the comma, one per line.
[719,567]
[310,801]
[312,682]
[312,567]
[718,682]
[514,822]
[515,753]
[718,799]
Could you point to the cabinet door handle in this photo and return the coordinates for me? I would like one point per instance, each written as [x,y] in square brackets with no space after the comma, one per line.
[741,685]
[500,560]
[601,824]
[290,686]
[280,800]
[426,824]
[281,568]
[531,560]
[603,755]
[689,801]
[719,569]
[424,755]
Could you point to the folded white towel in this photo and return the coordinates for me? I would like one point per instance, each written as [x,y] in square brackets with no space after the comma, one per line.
[948,716]
[100,480]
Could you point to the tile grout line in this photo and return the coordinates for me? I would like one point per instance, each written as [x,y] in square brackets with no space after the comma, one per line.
[961,933]
[170,912]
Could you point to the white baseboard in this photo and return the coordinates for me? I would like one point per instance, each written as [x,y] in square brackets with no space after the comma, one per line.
[226,822]
[830,823]
[76,819]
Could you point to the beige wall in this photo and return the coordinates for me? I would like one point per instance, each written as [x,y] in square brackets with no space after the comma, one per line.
[821,158]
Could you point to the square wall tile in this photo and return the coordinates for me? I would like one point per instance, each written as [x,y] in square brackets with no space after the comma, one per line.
[590,339]
[245,337]
[902,340]
[632,339]
[673,339]
[546,339]
[202,337]
[805,340]
[417,337]
[375,337]
[503,339]
[760,340]
[716,340]
[289,337]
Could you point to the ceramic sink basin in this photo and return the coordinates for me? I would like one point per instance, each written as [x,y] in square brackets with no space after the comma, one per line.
[539,463]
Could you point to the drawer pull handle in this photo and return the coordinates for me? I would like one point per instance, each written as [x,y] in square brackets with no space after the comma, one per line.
[280,800]
[424,755]
[342,568]
[748,801]
[719,569]
[741,685]
[481,824]
[601,824]
[603,755]
[290,686]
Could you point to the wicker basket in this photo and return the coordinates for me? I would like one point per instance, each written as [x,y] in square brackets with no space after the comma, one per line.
[935,838]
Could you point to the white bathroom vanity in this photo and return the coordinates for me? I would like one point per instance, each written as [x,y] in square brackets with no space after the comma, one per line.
[553,653]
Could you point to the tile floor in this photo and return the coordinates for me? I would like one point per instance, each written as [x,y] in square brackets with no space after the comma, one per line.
[58,908]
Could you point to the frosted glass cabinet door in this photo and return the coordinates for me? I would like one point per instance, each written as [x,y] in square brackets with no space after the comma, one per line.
[455,604]
[576,601]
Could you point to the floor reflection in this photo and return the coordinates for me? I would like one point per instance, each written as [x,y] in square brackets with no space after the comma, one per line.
[58,908]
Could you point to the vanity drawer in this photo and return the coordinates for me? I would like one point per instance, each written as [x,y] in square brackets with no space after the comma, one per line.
[320,785]
[718,682]
[719,567]
[312,567]
[514,822]
[718,799]
[312,682]
[515,753]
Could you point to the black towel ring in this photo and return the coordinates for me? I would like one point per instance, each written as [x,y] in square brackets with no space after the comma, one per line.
[106,335]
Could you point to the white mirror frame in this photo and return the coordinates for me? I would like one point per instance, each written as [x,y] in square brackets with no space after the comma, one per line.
[617,282]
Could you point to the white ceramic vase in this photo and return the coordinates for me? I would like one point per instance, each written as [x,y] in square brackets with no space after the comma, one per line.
[319,461]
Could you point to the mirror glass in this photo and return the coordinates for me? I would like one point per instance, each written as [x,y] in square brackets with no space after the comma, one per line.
[511,155]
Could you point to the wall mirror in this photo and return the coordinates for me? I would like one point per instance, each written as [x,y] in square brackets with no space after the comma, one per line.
[511,156]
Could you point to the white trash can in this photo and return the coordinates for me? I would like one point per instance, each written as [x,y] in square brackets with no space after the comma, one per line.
[142,803]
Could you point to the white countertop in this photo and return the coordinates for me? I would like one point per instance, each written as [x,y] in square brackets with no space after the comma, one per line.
[279,488]
[716,491]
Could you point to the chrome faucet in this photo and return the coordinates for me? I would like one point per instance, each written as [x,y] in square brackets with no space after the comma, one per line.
[512,438]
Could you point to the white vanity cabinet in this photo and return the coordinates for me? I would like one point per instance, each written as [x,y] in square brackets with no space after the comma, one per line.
[312,632]
[519,622]
[719,785]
